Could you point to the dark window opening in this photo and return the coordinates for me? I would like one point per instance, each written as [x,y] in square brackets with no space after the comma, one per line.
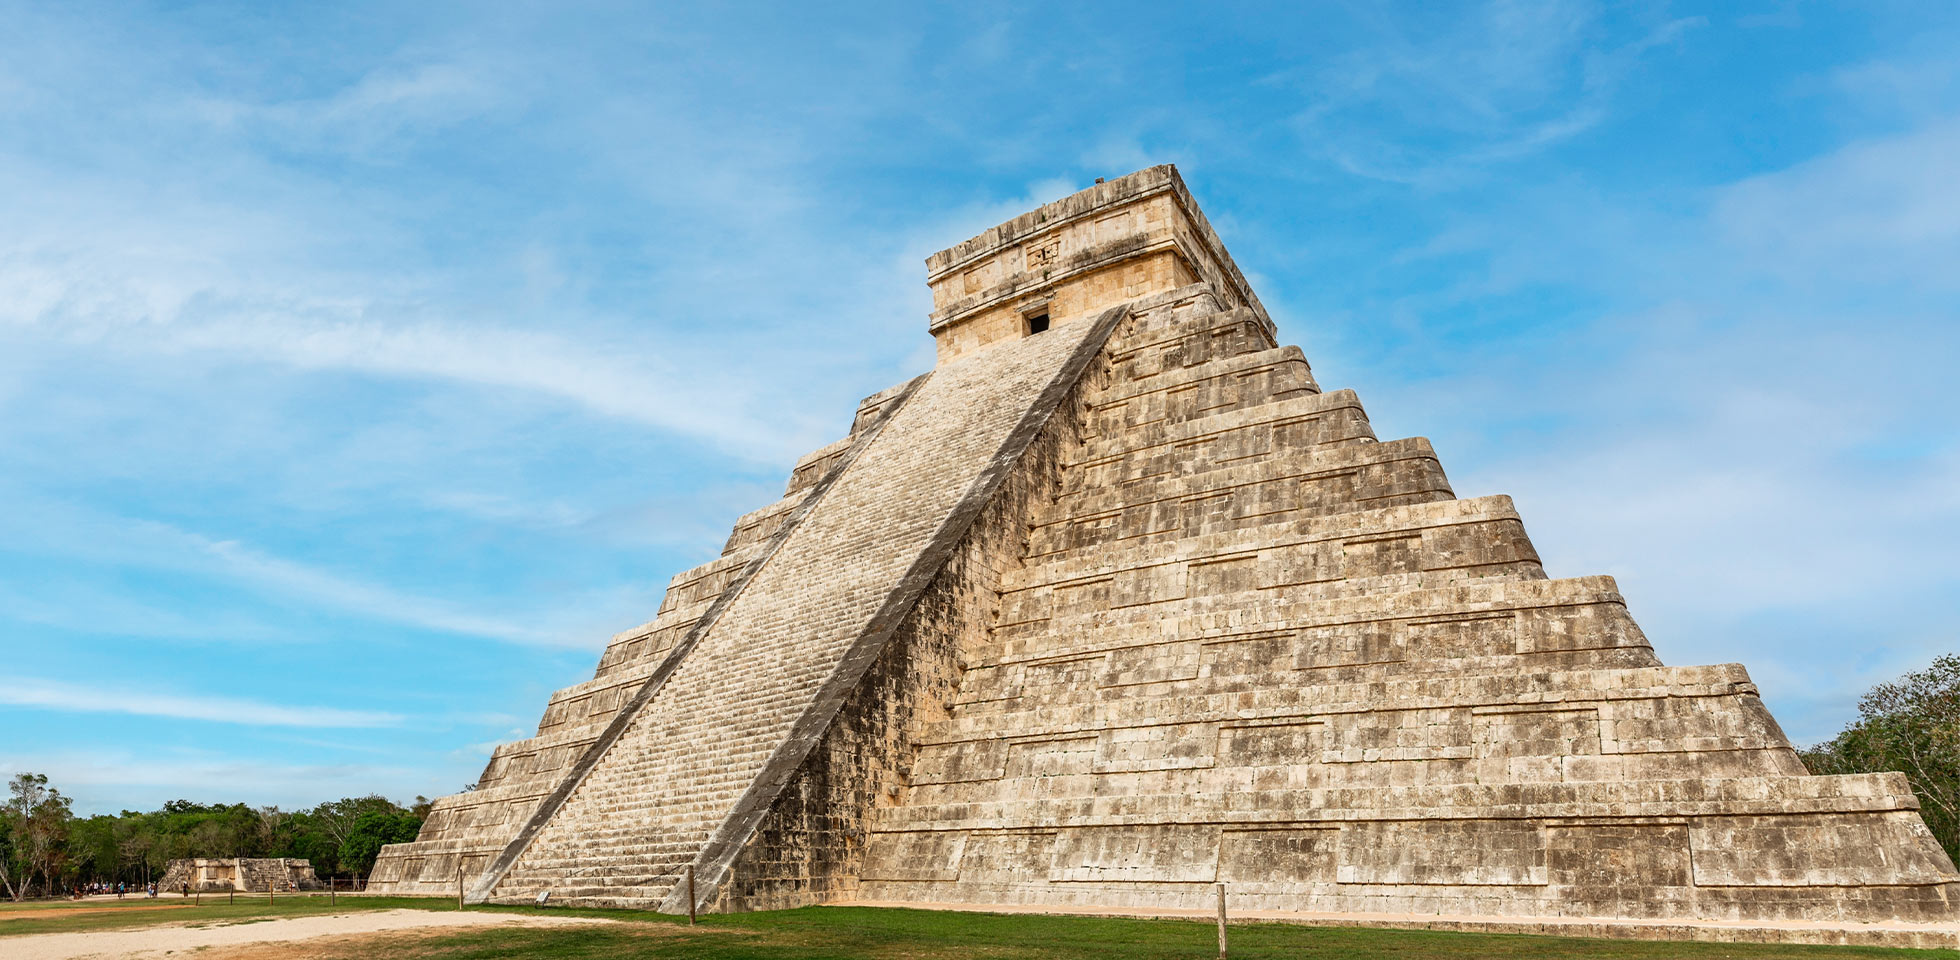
[1037,323]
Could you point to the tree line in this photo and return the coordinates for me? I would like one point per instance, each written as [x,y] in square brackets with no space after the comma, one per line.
[1911,726]
[45,848]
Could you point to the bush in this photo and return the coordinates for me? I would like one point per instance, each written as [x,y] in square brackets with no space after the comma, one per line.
[1909,726]
[371,832]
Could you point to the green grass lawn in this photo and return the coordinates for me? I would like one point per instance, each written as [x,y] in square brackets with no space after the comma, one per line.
[857,933]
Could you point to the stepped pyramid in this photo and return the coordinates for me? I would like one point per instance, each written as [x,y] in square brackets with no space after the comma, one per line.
[1115,604]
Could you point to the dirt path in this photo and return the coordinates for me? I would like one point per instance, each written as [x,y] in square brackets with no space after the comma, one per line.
[152,942]
[77,911]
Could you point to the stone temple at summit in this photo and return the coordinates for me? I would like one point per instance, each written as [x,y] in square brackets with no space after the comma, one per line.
[1115,605]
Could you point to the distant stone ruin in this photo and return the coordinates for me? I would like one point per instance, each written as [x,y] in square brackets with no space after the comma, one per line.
[1116,604]
[241,874]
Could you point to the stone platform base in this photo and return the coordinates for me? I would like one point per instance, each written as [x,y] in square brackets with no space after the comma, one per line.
[1920,935]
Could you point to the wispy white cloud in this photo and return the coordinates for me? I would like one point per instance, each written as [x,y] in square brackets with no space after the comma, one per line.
[1878,211]
[55,528]
[69,300]
[318,586]
[1499,82]
[77,698]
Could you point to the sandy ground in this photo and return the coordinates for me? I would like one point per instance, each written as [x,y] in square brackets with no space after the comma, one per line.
[152,942]
[74,911]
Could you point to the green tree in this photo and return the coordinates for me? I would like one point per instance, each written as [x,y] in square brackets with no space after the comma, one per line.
[37,817]
[43,847]
[373,831]
[306,837]
[8,858]
[92,851]
[134,838]
[1912,726]
[337,817]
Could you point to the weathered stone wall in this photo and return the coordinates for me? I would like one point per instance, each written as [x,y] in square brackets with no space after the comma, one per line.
[254,874]
[1251,644]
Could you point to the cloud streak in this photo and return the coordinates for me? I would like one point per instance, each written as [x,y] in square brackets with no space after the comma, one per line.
[74,698]
[67,530]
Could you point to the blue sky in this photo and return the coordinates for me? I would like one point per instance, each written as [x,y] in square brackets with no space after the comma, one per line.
[364,367]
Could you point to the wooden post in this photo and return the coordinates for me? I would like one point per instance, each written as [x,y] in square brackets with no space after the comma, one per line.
[690,894]
[1221,922]
[268,893]
[332,882]
[200,897]
[231,896]
[459,881]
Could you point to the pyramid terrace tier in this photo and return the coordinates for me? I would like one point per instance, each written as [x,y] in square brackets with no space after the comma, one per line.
[691,593]
[1301,422]
[1384,550]
[430,866]
[1187,329]
[1196,498]
[1656,850]
[759,525]
[1472,619]
[1102,718]
[1204,390]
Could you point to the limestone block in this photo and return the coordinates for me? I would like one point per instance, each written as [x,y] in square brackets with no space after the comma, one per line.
[1051,758]
[1616,856]
[925,855]
[1461,852]
[1160,854]
[1170,746]
[1816,850]
[1293,857]
[1007,856]
[956,762]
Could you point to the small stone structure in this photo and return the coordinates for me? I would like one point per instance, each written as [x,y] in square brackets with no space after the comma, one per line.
[1116,604]
[255,874]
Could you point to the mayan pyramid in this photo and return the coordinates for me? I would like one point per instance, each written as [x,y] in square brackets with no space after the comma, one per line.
[1115,604]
